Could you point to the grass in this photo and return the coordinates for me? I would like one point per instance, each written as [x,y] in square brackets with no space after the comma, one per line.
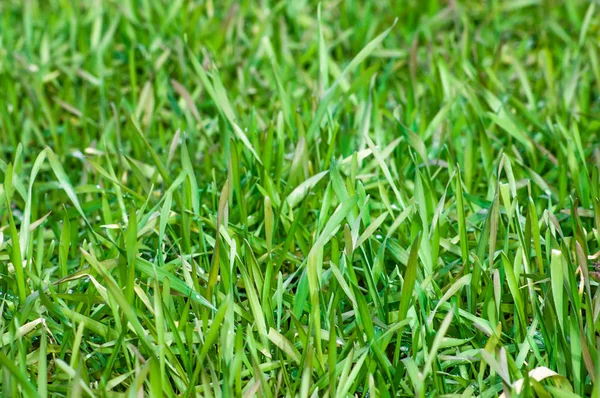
[281,198]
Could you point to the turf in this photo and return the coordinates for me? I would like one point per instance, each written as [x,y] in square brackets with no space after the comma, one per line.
[281,198]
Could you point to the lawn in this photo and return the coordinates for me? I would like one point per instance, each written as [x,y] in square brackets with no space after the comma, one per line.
[291,198]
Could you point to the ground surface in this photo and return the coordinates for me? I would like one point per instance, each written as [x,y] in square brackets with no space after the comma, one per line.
[218,198]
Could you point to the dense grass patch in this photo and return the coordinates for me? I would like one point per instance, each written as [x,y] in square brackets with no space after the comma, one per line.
[281,198]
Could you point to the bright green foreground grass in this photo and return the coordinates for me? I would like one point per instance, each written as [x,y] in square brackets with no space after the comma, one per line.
[221,198]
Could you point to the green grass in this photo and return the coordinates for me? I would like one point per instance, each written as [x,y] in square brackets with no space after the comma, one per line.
[281,198]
